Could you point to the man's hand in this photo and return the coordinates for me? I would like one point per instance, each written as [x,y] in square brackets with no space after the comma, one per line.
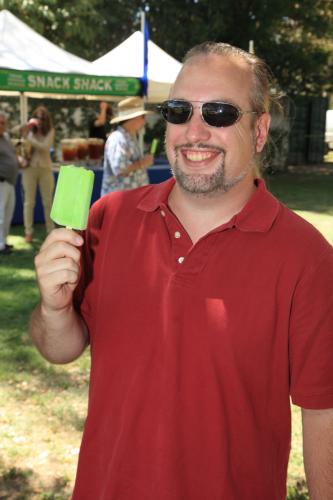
[103,106]
[147,161]
[58,331]
[58,267]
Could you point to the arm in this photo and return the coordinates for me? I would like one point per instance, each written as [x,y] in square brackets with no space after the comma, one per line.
[318,452]
[56,328]
[118,153]
[142,164]
[41,144]
[101,117]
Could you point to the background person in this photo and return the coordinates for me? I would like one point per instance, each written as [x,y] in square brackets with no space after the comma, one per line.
[39,133]
[207,304]
[8,175]
[99,126]
[124,166]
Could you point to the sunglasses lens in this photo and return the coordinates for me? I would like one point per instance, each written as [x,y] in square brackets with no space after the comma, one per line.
[176,112]
[220,114]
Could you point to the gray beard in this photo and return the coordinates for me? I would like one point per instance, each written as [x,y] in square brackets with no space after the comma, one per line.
[207,184]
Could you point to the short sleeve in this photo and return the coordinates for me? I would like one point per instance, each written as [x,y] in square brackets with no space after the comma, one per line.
[311,337]
[118,153]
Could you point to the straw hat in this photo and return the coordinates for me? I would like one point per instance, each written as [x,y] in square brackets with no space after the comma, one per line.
[129,108]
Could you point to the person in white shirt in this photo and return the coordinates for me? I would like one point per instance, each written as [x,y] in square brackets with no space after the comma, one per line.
[8,175]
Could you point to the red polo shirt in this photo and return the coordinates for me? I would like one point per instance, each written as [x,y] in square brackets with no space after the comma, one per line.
[196,349]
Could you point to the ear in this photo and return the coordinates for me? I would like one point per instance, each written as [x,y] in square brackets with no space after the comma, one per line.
[262,128]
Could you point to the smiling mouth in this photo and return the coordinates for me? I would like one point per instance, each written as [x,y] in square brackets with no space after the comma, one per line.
[198,156]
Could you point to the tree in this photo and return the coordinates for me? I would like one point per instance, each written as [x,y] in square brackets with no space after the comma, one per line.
[70,24]
[294,37]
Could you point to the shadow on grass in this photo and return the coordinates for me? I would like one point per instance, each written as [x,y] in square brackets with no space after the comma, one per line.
[18,296]
[299,491]
[309,191]
[20,484]
[19,359]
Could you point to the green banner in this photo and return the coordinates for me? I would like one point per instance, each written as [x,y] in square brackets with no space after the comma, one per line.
[63,83]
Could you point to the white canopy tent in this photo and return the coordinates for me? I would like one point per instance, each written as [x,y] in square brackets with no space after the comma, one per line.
[32,66]
[127,60]
[22,48]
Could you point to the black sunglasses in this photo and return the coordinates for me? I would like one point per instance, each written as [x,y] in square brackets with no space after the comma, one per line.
[214,113]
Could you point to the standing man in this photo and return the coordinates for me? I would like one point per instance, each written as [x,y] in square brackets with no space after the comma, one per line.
[8,174]
[206,304]
[124,166]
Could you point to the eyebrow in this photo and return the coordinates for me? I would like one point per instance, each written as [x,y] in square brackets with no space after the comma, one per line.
[223,100]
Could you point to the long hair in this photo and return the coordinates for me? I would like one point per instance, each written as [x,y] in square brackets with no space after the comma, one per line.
[42,114]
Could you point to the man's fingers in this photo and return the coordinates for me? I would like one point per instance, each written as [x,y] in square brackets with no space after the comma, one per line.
[60,266]
[59,278]
[66,235]
[57,250]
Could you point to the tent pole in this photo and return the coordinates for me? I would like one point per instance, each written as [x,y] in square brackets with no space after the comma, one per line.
[143,18]
[142,131]
[23,108]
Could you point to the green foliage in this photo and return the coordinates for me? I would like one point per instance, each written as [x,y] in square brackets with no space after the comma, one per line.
[70,24]
[298,492]
[118,20]
[17,484]
[295,37]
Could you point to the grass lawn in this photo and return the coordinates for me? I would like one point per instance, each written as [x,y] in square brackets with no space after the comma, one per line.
[43,406]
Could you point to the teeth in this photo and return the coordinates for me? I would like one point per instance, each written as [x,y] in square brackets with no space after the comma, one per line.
[198,155]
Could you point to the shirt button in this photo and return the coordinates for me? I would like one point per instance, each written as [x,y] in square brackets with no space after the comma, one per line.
[181,260]
[177,234]
[162,213]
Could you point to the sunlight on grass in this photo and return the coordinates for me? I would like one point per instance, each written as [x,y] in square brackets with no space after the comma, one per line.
[24,274]
[42,420]
[329,157]
[323,222]
[296,466]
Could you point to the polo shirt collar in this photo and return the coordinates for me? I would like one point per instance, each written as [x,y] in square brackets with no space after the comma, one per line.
[260,211]
[258,215]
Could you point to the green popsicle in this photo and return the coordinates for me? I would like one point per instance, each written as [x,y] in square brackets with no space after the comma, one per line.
[72,197]
[153,146]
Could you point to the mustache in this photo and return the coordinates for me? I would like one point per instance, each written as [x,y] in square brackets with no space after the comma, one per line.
[200,145]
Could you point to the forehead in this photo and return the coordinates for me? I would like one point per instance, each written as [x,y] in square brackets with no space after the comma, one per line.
[214,77]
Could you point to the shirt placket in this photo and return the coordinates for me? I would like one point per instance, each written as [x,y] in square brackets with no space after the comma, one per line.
[181,243]
[188,260]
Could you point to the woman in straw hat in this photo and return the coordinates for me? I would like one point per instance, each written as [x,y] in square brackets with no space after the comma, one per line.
[124,166]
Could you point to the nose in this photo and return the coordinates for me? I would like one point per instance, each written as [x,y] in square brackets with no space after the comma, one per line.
[196,129]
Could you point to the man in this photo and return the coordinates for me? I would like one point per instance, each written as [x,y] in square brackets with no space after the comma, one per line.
[206,304]
[8,175]
[124,166]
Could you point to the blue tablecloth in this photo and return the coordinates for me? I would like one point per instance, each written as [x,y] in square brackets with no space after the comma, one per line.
[157,173]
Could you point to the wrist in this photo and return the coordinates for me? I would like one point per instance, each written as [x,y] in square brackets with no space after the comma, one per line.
[48,312]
